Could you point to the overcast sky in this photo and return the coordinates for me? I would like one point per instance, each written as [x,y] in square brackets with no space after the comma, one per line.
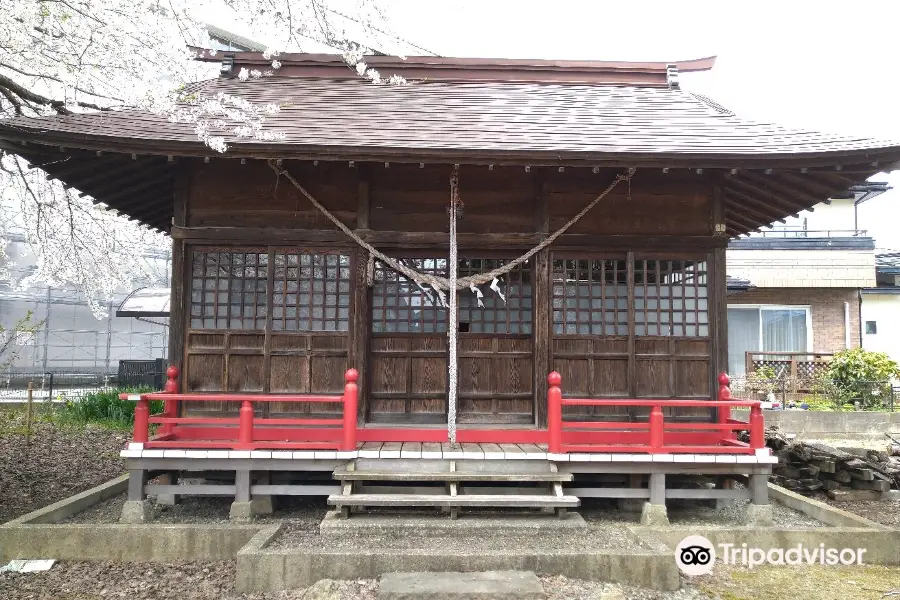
[823,65]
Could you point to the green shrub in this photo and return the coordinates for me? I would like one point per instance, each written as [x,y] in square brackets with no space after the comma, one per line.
[858,375]
[763,379]
[106,408]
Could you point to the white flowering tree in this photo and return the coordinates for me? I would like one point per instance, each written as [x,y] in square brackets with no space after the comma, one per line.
[67,56]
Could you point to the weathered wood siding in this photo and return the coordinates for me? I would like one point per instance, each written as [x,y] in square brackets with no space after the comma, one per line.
[666,222]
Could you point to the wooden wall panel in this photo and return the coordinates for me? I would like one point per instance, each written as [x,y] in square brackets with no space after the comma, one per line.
[225,193]
[496,379]
[407,378]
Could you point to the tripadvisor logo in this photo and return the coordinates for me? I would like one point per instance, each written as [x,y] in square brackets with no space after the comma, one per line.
[696,555]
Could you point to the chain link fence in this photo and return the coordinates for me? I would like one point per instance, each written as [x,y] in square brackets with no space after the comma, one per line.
[61,385]
[818,392]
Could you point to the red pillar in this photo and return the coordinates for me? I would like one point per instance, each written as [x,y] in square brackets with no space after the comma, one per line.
[724,412]
[351,401]
[245,424]
[656,429]
[757,427]
[554,413]
[171,405]
[142,420]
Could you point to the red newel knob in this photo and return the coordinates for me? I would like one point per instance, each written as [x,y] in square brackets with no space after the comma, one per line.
[172,381]
[554,379]
[351,376]
[723,378]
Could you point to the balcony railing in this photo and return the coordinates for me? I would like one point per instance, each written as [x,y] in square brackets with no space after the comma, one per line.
[800,232]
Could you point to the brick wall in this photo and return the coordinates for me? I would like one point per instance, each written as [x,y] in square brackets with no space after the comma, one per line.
[826,308]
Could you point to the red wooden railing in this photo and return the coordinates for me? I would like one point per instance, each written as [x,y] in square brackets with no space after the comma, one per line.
[250,431]
[655,436]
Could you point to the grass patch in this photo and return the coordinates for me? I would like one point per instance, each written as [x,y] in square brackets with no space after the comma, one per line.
[808,582]
[104,409]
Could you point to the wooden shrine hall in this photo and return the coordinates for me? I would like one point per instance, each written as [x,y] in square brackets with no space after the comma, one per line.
[503,282]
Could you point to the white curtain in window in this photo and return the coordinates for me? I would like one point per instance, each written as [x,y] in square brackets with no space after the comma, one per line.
[784,330]
[743,337]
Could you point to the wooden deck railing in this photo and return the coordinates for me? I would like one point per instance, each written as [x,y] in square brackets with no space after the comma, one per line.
[655,436]
[318,433]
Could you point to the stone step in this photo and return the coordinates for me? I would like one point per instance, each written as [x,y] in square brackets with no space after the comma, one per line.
[471,500]
[532,477]
[487,585]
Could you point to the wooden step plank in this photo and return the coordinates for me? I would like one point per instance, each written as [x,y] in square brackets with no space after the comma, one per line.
[370,450]
[485,500]
[390,450]
[492,452]
[431,450]
[411,450]
[448,476]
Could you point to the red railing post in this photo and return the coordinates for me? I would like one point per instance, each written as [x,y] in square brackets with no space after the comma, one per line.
[171,406]
[724,395]
[554,413]
[757,427]
[351,399]
[245,423]
[142,420]
[656,429]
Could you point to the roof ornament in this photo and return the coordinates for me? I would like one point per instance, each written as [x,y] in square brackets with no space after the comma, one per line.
[672,77]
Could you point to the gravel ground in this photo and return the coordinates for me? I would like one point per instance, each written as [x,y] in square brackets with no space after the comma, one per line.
[297,535]
[884,512]
[60,461]
[214,509]
[215,581]
[729,515]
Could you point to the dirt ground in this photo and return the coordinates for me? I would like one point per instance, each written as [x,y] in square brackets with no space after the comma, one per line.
[61,461]
[215,581]
[884,512]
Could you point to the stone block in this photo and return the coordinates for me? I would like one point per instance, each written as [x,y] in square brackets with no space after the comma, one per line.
[493,585]
[654,515]
[137,511]
[759,515]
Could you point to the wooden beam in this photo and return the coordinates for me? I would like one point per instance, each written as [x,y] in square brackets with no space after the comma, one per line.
[178,304]
[749,201]
[813,183]
[363,205]
[774,183]
[403,239]
[752,190]
[751,211]
[741,218]
[127,177]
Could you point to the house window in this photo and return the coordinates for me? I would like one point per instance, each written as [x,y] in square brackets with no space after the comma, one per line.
[766,329]
[871,328]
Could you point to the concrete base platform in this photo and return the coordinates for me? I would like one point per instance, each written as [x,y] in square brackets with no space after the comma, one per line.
[137,511]
[433,525]
[490,585]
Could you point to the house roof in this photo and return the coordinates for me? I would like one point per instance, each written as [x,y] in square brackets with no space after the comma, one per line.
[550,113]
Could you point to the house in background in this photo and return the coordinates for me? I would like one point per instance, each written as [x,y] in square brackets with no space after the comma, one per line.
[881,307]
[805,279]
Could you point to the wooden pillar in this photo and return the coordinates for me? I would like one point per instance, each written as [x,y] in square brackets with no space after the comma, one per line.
[178,299]
[542,325]
[632,365]
[358,352]
[717,290]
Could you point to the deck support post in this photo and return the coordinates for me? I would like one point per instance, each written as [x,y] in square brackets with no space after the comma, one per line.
[137,509]
[654,512]
[242,507]
[170,478]
[632,505]
[759,511]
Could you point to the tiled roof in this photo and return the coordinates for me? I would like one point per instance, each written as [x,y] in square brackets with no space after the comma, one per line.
[491,118]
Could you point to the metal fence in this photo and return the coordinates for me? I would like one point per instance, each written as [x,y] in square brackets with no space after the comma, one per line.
[61,385]
[884,395]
